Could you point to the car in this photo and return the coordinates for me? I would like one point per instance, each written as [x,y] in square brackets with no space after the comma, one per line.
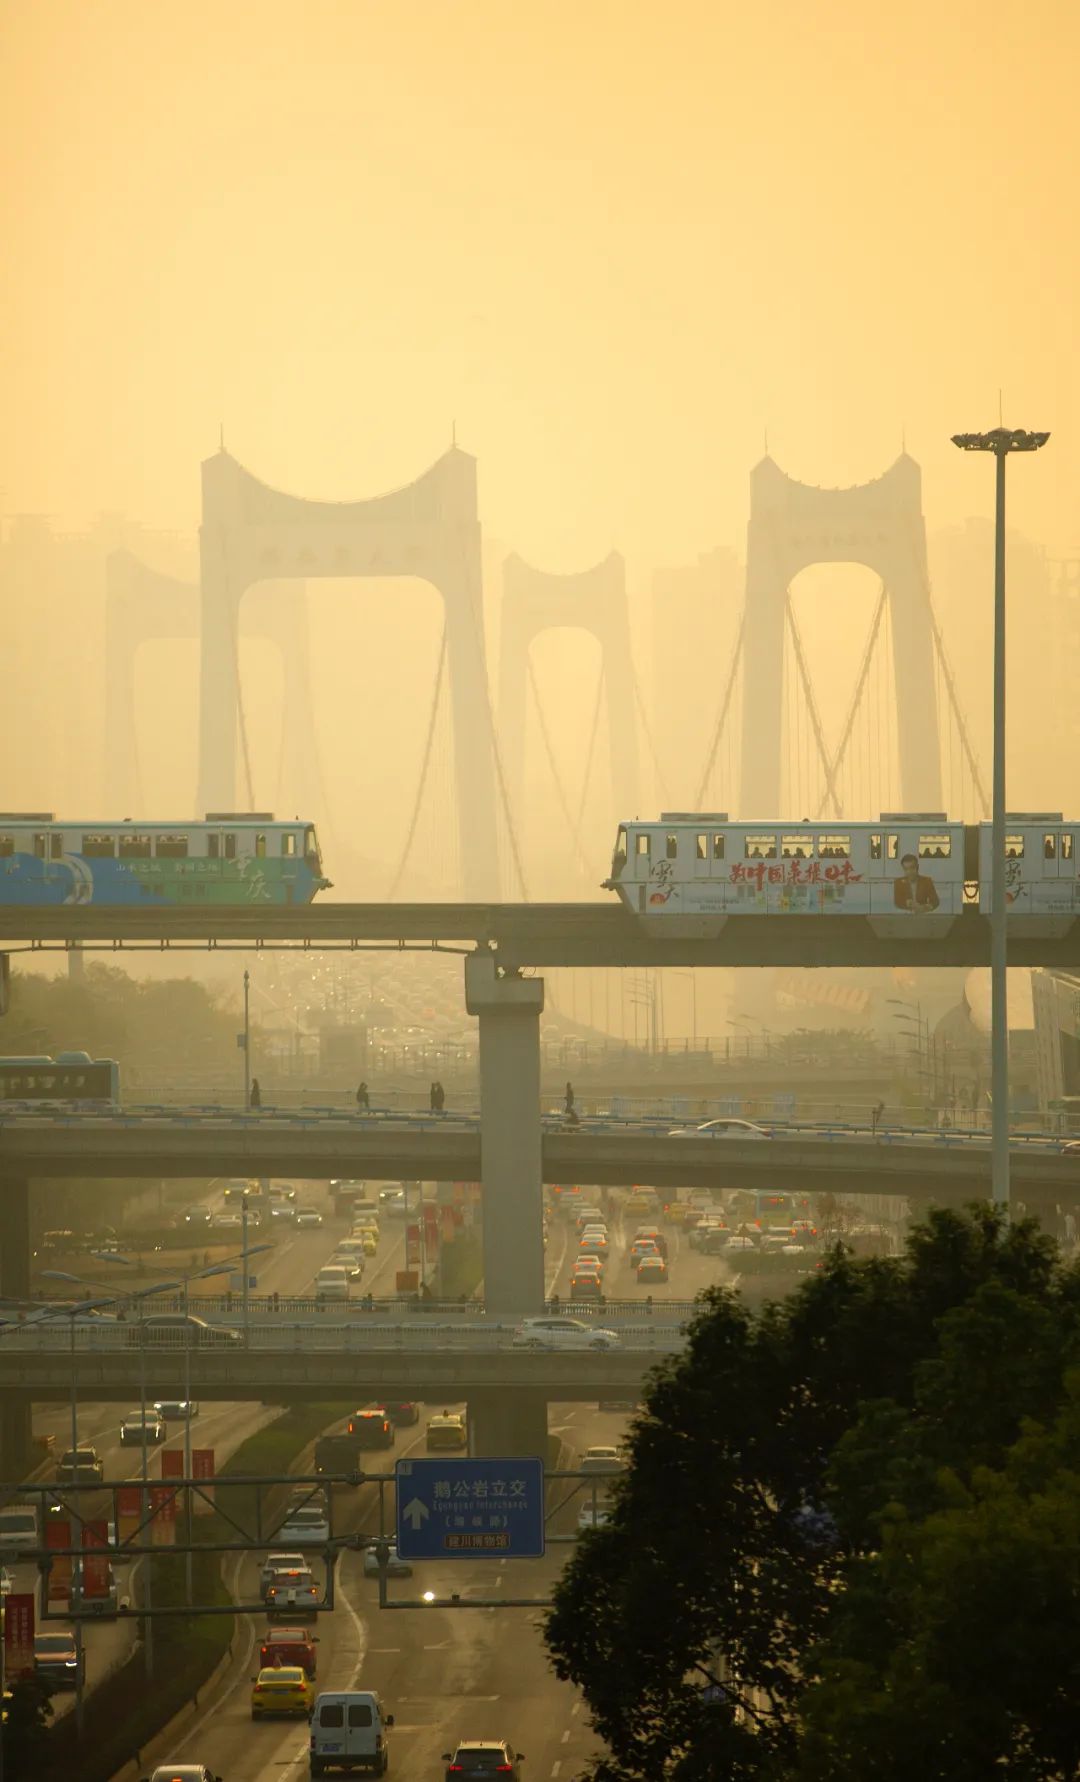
[476,1759]
[718,1129]
[562,1333]
[804,1231]
[57,1660]
[289,1645]
[196,1216]
[282,1190]
[641,1200]
[281,1211]
[651,1270]
[176,1330]
[402,1412]
[237,1188]
[654,1232]
[597,1225]
[101,1602]
[588,1216]
[80,1466]
[182,1772]
[353,1266]
[447,1431]
[176,1410]
[738,1244]
[642,1247]
[281,1690]
[593,1516]
[308,1219]
[586,1287]
[293,1593]
[227,1222]
[307,1526]
[357,1246]
[5,1581]
[278,1562]
[597,1245]
[704,1229]
[392,1193]
[713,1241]
[332,1282]
[601,1459]
[372,1428]
[681,1212]
[142,1426]
[396,1567]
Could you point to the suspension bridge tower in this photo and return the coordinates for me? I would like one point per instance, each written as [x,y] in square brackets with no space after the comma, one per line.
[143,605]
[591,600]
[879,524]
[430,529]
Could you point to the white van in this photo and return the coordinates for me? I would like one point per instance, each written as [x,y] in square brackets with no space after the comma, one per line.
[332,1282]
[348,1733]
[19,1529]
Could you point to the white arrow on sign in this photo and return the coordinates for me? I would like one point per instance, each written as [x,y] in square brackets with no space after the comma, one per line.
[416,1513]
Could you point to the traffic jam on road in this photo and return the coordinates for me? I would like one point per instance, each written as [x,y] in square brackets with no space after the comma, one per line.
[330,1686]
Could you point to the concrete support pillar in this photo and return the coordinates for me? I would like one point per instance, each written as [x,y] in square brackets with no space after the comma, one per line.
[15,1239]
[508,1423]
[509,1009]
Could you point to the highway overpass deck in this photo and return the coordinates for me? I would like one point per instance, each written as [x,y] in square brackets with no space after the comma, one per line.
[170,1145]
[549,934]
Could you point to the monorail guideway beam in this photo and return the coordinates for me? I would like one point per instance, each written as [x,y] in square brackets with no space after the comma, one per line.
[15,1408]
[508,1008]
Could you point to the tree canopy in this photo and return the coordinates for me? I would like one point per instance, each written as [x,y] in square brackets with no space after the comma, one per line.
[847,1542]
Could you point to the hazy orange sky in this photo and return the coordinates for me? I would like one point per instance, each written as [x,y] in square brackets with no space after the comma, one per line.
[614,243]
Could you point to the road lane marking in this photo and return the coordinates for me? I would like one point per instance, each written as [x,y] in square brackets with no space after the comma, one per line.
[566,1737]
[576,1709]
[556,1766]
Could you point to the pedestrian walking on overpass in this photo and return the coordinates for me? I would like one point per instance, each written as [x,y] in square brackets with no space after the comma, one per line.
[440,1097]
[255,1097]
[363,1100]
[433,1097]
[569,1097]
[875,1115]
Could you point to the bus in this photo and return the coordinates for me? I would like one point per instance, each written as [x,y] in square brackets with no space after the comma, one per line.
[767,1209]
[69,1077]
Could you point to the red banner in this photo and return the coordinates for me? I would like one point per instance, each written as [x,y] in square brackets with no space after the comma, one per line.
[432,1215]
[128,1514]
[95,1561]
[18,1636]
[412,1243]
[172,1463]
[202,1467]
[58,1534]
[162,1529]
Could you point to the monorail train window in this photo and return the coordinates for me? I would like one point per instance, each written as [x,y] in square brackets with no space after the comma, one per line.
[1014,847]
[7,846]
[1066,845]
[288,845]
[1049,847]
[134,847]
[875,847]
[221,847]
[172,847]
[672,846]
[935,847]
[260,847]
[47,847]
[797,847]
[643,844]
[701,847]
[760,847]
[99,847]
[718,847]
[894,847]
[834,847]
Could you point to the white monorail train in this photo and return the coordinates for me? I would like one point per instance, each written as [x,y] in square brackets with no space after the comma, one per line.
[907,866]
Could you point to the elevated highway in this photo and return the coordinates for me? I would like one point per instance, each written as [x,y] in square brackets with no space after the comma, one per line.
[950,1171]
[547,934]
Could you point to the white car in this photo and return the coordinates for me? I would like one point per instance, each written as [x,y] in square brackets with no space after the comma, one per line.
[601,1460]
[332,1283]
[308,1525]
[308,1218]
[593,1517]
[227,1222]
[279,1562]
[555,1332]
[352,1266]
[736,1129]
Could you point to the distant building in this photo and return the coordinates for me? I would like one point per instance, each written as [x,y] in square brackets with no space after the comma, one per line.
[1056,999]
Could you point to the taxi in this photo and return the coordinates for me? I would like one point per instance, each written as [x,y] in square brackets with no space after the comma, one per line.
[369,1237]
[447,1431]
[282,1689]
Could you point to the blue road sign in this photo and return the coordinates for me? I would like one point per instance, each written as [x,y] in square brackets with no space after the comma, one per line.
[470,1509]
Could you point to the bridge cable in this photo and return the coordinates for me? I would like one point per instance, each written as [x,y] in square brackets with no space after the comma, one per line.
[560,790]
[234,637]
[587,775]
[950,682]
[722,715]
[661,783]
[860,687]
[815,719]
[425,764]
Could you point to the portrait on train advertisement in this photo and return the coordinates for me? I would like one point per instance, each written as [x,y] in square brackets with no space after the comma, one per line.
[914,890]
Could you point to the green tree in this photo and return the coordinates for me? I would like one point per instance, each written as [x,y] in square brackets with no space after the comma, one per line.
[25,1731]
[760,1471]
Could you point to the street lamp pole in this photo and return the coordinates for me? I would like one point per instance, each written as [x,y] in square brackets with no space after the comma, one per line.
[1001,441]
[247,1040]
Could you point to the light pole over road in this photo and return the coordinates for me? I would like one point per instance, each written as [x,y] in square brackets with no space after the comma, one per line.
[1001,441]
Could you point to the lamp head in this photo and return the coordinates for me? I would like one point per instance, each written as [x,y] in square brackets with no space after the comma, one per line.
[1000,440]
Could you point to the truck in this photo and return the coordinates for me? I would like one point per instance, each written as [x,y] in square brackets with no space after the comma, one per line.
[338,1454]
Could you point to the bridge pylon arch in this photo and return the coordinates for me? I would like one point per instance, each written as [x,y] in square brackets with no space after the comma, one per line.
[591,600]
[429,529]
[879,524]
